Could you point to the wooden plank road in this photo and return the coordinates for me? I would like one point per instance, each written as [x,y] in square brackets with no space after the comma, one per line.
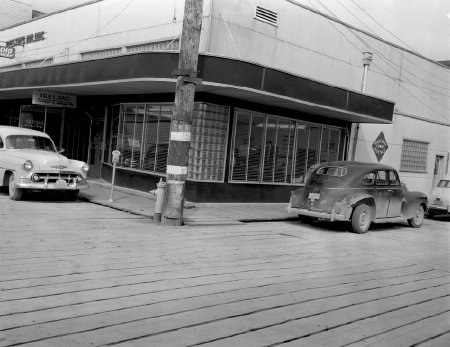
[78,274]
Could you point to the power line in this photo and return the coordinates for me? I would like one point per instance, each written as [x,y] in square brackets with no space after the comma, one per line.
[367,45]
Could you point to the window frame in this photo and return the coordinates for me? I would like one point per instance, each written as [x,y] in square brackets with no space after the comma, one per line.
[405,156]
[291,171]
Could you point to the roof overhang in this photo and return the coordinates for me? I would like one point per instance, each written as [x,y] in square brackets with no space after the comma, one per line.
[151,73]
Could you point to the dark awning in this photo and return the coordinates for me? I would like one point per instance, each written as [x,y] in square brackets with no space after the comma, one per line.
[151,72]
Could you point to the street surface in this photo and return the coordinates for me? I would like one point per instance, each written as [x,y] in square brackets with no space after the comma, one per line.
[79,274]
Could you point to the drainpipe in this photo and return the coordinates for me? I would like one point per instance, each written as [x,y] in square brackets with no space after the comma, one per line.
[367,59]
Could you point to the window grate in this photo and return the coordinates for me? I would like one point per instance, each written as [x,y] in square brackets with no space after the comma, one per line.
[101,53]
[414,156]
[168,45]
[266,16]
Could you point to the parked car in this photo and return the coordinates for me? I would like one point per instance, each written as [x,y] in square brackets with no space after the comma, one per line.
[29,161]
[360,193]
[440,199]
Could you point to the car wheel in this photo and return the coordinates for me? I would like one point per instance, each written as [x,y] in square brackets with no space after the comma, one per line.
[417,219]
[361,219]
[72,195]
[305,219]
[14,192]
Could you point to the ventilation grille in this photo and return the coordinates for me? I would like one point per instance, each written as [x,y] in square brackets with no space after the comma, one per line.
[266,16]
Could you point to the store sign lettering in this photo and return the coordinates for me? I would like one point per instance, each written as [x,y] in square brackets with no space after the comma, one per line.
[54,99]
[27,39]
[380,146]
[7,52]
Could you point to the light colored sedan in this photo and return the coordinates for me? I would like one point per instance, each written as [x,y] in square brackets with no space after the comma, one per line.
[29,161]
[440,199]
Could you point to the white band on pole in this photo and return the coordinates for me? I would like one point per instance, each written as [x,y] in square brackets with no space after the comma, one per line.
[176,170]
[180,136]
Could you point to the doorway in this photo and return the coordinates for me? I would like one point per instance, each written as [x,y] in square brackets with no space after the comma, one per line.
[438,170]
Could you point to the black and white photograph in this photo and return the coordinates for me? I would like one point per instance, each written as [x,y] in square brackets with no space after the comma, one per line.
[234,173]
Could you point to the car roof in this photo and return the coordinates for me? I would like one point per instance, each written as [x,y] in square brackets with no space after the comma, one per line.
[9,130]
[357,166]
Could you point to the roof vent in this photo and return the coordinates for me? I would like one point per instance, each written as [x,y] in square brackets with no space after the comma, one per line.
[266,16]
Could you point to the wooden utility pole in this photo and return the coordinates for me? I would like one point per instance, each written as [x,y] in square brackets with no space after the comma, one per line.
[180,131]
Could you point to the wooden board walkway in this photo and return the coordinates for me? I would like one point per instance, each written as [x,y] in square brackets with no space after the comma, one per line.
[78,274]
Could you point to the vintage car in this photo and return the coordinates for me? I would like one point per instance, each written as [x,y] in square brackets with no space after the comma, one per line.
[29,161]
[440,199]
[360,193]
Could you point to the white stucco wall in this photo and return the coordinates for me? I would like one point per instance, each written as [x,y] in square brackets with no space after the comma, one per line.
[303,43]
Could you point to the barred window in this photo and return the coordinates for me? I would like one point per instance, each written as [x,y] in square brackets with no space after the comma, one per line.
[167,45]
[101,53]
[414,156]
[37,63]
[271,149]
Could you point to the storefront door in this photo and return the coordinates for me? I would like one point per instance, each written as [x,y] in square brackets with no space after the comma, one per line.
[47,119]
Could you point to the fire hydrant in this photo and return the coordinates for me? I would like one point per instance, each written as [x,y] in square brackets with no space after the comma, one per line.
[159,204]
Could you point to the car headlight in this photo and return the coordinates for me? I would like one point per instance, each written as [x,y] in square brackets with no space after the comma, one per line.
[85,168]
[28,165]
[35,178]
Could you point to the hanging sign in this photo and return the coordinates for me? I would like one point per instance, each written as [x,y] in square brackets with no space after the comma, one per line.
[380,146]
[54,99]
[7,52]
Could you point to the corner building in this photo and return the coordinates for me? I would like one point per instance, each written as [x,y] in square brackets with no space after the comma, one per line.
[280,92]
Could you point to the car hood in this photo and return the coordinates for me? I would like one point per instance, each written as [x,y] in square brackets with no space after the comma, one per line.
[442,193]
[43,160]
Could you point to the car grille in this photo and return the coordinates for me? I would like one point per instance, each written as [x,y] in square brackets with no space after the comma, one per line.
[52,177]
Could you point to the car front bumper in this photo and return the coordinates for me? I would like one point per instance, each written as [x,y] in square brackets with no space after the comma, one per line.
[26,183]
[439,208]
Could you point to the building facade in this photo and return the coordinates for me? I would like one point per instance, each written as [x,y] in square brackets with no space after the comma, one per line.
[280,92]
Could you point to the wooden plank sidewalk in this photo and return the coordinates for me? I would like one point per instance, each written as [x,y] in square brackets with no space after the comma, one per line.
[77,274]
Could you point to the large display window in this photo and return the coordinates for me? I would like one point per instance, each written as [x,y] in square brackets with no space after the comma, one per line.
[141,132]
[271,149]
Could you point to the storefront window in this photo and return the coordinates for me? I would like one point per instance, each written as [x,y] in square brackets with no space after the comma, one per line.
[142,132]
[209,134]
[289,148]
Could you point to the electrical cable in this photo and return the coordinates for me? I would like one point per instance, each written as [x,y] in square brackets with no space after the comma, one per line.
[367,45]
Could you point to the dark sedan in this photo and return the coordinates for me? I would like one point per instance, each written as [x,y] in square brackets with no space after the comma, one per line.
[361,193]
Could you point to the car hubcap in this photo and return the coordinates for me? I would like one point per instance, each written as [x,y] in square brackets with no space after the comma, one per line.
[363,219]
[418,216]
[12,187]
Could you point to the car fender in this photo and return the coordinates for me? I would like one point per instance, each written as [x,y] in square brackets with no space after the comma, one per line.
[353,200]
[410,202]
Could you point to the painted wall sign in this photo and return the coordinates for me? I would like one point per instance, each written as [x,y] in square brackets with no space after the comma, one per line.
[380,146]
[7,52]
[27,39]
[54,99]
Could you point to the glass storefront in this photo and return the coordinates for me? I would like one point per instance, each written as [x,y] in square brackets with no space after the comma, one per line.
[264,148]
[141,132]
[270,149]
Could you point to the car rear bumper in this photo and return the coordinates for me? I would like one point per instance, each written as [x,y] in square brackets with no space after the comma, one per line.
[333,216]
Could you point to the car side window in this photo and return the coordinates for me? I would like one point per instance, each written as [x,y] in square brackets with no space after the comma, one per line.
[1,142]
[369,179]
[393,179]
[381,179]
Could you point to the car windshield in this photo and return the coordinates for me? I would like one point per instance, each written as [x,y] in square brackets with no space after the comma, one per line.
[29,142]
[444,184]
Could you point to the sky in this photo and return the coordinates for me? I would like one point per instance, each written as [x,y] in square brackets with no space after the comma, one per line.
[419,25]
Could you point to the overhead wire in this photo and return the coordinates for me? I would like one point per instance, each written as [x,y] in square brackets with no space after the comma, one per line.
[400,40]
[383,58]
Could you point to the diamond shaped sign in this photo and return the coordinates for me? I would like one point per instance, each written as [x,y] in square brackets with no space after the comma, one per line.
[380,146]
